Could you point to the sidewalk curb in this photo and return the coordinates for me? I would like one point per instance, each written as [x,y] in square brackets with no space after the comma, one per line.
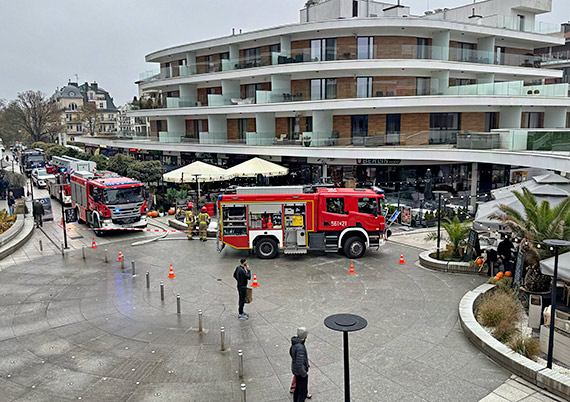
[16,240]
[518,364]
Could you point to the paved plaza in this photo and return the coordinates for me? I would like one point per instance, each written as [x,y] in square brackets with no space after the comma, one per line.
[74,329]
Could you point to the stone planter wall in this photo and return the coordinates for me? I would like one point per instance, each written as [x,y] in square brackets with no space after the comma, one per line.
[457,267]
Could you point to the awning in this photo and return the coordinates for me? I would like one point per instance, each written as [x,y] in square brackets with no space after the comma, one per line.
[547,266]
[205,172]
[255,166]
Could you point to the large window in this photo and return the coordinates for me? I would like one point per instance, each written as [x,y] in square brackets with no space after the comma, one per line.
[323,49]
[393,122]
[491,121]
[359,126]
[443,128]
[355,8]
[367,206]
[253,57]
[532,120]
[520,22]
[251,89]
[500,55]
[242,128]
[465,51]
[364,87]
[365,47]
[323,89]
[422,86]
[422,49]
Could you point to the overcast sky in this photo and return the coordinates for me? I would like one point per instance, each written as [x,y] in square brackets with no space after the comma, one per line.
[45,43]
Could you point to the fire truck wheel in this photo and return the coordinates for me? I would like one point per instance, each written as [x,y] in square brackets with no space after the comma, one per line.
[266,249]
[354,247]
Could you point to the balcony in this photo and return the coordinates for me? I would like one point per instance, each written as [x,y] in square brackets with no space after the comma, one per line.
[511,88]
[536,27]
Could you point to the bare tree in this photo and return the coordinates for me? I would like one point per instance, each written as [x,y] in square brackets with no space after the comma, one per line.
[34,114]
[90,118]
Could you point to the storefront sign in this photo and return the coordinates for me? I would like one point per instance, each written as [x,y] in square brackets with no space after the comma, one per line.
[378,161]
[406,218]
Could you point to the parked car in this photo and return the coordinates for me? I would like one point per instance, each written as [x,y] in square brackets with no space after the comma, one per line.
[40,177]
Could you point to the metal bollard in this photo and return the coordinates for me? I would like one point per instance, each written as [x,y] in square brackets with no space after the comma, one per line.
[62,249]
[147,280]
[243,393]
[106,259]
[83,252]
[240,362]
[41,245]
[200,321]
[161,290]
[177,304]
[222,339]
[133,268]
[123,262]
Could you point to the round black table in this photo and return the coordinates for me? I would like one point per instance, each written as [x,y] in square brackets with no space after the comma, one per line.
[346,323]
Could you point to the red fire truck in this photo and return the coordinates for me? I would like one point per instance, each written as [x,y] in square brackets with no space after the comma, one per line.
[328,219]
[105,200]
[62,167]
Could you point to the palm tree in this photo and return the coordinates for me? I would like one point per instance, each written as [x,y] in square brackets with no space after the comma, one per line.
[539,222]
[457,233]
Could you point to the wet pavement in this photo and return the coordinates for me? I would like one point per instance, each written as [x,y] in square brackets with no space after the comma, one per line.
[74,329]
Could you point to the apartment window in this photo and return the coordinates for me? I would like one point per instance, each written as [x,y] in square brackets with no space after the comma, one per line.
[462,81]
[73,106]
[101,105]
[491,121]
[323,49]
[422,49]
[359,126]
[68,116]
[393,122]
[465,51]
[225,56]
[365,47]
[422,86]
[111,116]
[91,95]
[443,128]
[355,8]
[323,89]
[242,128]
[211,65]
[532,120]
[79,128]
[364,87]
[275,48]
[250,90]
[253,57]
[309,124]
[520,22]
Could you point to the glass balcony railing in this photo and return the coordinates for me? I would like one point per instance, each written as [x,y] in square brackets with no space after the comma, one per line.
[538,27]
[149,75]
[512,88]
[548,140]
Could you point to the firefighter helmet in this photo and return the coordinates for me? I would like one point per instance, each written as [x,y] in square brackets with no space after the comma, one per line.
[204,209]
[190,205]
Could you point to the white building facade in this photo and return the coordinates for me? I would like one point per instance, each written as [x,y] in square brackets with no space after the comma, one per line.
[364,84]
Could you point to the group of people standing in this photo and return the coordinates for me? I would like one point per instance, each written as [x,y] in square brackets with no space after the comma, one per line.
[203,220]
[298,351]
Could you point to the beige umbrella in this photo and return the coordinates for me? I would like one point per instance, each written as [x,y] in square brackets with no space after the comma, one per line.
[255,166]
[197,170]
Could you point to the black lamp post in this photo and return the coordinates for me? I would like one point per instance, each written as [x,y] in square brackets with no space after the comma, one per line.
[439,193]
[556,244]
[64,227]
[346,323]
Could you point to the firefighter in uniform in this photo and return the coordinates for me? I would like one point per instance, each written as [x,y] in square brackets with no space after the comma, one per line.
[190,221]
[203,220]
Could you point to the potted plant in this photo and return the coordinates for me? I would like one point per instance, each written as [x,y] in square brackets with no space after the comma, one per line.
[161,211]
[307,140]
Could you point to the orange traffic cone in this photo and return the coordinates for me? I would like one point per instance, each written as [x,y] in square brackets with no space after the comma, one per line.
[93,244]
[401,259]
[254,284]
[120,256]
[171,273]
[351,270]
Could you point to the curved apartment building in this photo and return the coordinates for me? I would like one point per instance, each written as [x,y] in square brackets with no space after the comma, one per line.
[367,86]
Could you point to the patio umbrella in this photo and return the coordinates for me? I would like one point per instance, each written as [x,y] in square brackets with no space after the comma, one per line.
[547,266]
[203,171]
[257,166]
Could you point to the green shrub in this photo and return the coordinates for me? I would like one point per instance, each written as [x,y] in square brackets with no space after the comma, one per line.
[501,305]
[526,346]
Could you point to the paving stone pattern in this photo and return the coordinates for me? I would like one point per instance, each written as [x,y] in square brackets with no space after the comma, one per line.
[74,329]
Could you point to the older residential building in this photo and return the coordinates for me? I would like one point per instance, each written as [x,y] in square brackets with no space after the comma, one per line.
[365,90]
[69,100]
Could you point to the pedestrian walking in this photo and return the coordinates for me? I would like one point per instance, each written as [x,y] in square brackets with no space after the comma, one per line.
[38,211]
[300,364]
[190,221]
[242,275]
[504,250]
[11,203]
[204,221]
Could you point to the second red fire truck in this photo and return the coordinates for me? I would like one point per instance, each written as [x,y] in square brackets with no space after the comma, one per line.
[107,201]
[328,219]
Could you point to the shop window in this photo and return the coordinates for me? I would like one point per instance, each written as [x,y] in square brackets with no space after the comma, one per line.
[335,205]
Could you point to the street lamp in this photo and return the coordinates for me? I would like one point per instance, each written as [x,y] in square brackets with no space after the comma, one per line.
[556,244]
[196,176]
[439,193]
[346,323]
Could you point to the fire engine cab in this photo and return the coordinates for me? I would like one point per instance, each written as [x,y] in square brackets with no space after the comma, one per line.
[296,221]
[107,201]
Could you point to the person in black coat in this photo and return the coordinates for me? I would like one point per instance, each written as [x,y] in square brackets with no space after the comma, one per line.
[38,210]
[300,364]
[242,275]
[504,251]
